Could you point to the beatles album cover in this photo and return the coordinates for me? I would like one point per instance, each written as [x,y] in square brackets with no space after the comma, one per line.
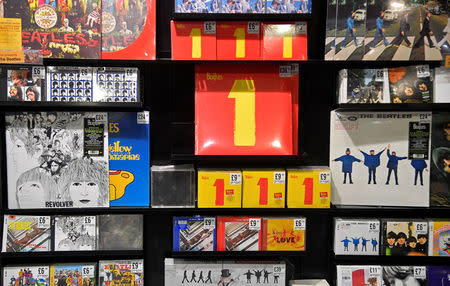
[179,272]
[25,83]
[352,275]
[440,160]
[330,30]
[198,6]
[438,275]
[239,233]
[25,275]
[405,275]
[129,159]
[121,272]
[129,29]
[238,6]
[116,84]
[404,238]
[70,84]
[57,159]
[26,233]
[363,86]
[439,237]
[412,84]
[68,29]
[356,236]
[173,186]
[73,274]
[380,158]
[284,234]
[75,233]
[194,233]
[288,6]
[120,232]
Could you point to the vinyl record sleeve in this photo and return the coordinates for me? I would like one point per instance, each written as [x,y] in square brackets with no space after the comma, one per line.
[404,238]
[364,86]
[129,30]
[197,6]
[120,232]
[352,275]
[76,274]
[384,178]
[25,83]
[441,85]
[356,236]
[194,233]
[405,275]
[284,234]
[438,275]
[239,233]
[26,275]
[70,84]
[129,159]
[54,157]
[411,84]
[116,84]
[26,233]
[439,238]
[121,272]
[330,30]
[75,233]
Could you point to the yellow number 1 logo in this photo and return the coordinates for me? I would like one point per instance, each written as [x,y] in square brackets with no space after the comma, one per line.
[287,46]
[243,91]
[239,34]
[196,35]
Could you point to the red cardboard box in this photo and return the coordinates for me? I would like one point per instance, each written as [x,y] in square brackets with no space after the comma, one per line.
[193,40]
[238,41]
[285,41]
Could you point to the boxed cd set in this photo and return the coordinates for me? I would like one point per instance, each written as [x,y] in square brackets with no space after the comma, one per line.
[121,272]
[263,188]
[439,238]
[239,233]
[219,188]
[404,238]
[356,236]
[309,187]
[70,84]
[120,232]
[351,275]
[116,84]
[173,186]
[284,234]
[195,233]
[26,233]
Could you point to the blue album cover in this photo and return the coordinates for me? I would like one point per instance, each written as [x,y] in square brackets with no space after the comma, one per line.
[197,6]
[438,275]
[129,159]
[194,233]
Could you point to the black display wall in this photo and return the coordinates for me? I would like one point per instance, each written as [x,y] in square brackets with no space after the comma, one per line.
[168,92]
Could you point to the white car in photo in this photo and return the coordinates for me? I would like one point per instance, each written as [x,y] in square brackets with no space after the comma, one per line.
[360,15]
[389,15]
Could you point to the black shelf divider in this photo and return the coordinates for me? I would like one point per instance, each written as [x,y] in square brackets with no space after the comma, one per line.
[50,106]
[391,260]
[240,17]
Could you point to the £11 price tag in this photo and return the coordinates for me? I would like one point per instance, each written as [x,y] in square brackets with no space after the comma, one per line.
[209,223]
[254,224]
[374,271]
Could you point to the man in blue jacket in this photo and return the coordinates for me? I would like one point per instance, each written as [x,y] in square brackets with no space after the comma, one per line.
[347,164]
[419,166]
[380,30]
[392,165]
[350,30]
[372,161]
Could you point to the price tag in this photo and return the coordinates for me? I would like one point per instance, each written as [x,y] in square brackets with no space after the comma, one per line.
[279,177]
[253,28]
[346,275]
[379,75]
[423,71]
[43,222]
[374,226]
[295,69]
[209,223]
[324,177]
[254,224]
[420,272]
[300,28]
[84,74]
[89,220]
[38,72]
[210,27]
[277,269]
[42,272]
[182,224]
[88,271]
[169,261]
[300,224]
[235,178]
[137,267]
[130,74]
[143,117]
[285,71]
[421,228]
[374,271]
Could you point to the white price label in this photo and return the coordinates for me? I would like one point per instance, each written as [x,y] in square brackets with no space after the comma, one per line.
[300,28]
[374,271]
[137,267]
[143,117]
[89,220]
[346,275]
[421,228]
[295,69]
[279,178]
[182,222]
[43,222]
[209,223]
[300,224]
[254,224]
[84,74]
[130,74]
[88,271]
[420,272]
[42,272]
[235,178]
[379,75]
[38,72]
[209,27]
[253,28]
[374,226]
[278,269]
[324,177]
[423,71]
[285,71]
